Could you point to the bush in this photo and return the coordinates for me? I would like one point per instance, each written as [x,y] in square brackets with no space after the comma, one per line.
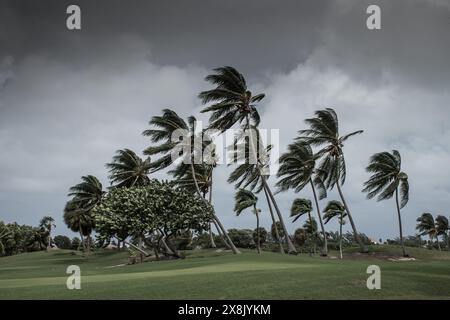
[62,242]
[242,238]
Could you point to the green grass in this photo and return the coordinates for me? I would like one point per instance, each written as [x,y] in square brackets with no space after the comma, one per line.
[207,274]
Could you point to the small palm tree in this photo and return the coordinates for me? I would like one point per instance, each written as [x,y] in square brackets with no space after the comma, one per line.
[301,207]
[443,229]
[335,209]
[128,169]
[298,169]
[233,103]
[323,132]
[80,220]
[427,226]
[47,223]
[167,126]
[386,181]
[245,199]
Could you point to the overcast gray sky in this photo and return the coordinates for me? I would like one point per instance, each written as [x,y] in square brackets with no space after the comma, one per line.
[69,99]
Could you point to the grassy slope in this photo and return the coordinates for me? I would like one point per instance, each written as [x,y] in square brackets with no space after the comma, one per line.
[210,275]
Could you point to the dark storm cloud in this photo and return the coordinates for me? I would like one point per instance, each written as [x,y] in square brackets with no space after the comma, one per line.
[69,99]
[252,35]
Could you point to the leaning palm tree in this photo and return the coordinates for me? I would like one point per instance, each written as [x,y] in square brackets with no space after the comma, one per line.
[323,132]
[248,175]
[88,193]
[128,169]
[301,207]
[298,169]
[245,199]
[335,209]
[80,220]
[233,103]
[176,139]
[388,180]
[47,223]
[443,229]
[427,226]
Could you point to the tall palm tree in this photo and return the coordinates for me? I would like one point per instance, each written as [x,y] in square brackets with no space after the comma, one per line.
[47,223]
[80,220]
[443,229]
[301,207]
[323,132]
[386,181]
[248,175]
[128,169]
[298,169]
[427,226]
[165,127]
[245,199]
[336,209]
[233,103]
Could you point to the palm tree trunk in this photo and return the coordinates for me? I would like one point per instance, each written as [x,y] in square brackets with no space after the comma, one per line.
[221,235]
[325,243]
[400,223]
[277,235]
[258,242]
[340,235]
[290,245]
[211,237]
[310,236]
[233,247]
[350,218]
[437,240]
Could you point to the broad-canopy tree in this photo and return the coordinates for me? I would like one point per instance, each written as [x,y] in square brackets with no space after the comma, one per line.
[158,206]
[246,199]
[298,169]
[388,180]
[323,132]
[128,170]
[231,103]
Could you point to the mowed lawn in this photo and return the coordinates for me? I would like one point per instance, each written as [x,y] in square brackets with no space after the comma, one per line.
[207,274]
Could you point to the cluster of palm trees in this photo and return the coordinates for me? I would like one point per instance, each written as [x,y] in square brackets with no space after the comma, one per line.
[315,159]
[428,225]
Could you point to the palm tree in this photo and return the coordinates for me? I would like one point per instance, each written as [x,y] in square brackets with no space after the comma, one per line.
[301,207]
[442,228]
[298,169]
[310,226]
[248,175]
[233,103]
[246,199]
[88,193]
[335,209]
[323,132]
[426,226]
[79,220]
[386,181]
[165,128]
[4,232]
[128,169]
[47,223]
